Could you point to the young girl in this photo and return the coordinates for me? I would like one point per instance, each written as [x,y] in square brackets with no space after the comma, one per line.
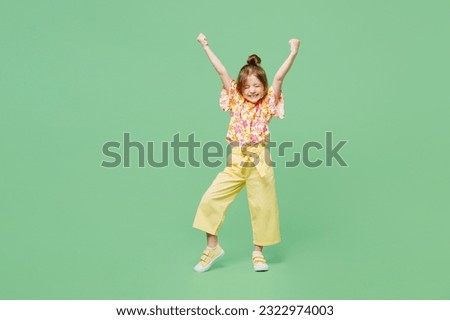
[251,103]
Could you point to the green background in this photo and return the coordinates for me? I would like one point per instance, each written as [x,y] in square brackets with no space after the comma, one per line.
[77,74]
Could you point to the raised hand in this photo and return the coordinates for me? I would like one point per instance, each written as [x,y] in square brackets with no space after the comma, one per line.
[281,73]
[226,79]
[295,44]
[202,40]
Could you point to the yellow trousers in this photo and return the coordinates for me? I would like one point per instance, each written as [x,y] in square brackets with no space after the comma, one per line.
[247,167]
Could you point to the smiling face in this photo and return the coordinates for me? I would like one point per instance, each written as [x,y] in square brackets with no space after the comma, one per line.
[252,82]
[253,89]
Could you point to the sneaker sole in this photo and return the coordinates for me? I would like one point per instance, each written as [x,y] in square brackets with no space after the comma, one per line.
[261,269]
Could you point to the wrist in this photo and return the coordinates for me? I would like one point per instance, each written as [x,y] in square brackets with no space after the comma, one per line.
[293,54]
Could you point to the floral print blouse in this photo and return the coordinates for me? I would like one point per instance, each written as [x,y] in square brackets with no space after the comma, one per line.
[249,123]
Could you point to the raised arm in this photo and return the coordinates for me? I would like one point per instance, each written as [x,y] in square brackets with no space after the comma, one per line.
[226,79]
[281,73]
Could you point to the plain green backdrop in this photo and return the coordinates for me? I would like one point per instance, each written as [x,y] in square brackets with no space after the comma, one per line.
[77,74]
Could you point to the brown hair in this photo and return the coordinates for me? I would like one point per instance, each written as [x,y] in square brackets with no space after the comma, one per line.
[251,68]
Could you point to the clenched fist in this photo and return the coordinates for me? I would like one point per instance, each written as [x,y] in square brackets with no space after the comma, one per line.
[295,44]
[202,40]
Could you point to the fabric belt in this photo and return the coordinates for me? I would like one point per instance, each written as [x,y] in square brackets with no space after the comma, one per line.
[251,156]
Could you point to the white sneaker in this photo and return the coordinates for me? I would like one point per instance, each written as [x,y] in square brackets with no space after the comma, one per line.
[259,263]
[208,257]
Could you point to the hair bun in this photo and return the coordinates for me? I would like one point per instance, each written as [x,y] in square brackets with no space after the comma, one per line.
[253,60]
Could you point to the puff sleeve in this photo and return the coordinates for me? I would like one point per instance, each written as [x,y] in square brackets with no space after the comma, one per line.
[228,98]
